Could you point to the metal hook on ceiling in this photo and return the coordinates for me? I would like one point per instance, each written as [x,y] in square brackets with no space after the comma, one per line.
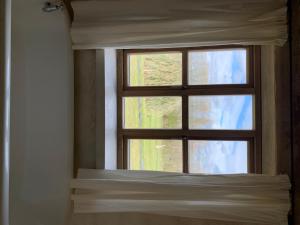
[53,6]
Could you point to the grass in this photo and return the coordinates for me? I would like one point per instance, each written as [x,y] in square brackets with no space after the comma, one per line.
[158,112]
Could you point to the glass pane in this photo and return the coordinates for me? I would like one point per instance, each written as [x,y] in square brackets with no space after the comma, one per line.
[228,112]
[156,155]
[155,69]
[218,157]
[152,112]
[218,67]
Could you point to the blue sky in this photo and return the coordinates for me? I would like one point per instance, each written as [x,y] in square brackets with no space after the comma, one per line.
[226,112]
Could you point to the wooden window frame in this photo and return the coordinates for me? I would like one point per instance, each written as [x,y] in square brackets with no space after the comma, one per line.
[253,87]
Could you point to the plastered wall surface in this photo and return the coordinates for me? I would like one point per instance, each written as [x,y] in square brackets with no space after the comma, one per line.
[41,115]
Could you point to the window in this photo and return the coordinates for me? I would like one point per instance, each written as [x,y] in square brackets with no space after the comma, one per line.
[191,110]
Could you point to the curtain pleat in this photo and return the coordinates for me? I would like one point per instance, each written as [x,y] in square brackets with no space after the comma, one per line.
[257,199]
[184,23]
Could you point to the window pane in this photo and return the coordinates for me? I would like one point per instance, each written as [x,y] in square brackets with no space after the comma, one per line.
[152,112]
[218,157]
[228,112]
[155,69]
[218,67]
[156,155]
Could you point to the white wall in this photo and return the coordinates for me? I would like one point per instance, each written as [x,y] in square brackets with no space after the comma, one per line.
[110,117]
[41,115]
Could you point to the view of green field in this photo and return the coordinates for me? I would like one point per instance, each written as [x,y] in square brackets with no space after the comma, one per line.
[156,155]
[154,112]
[155,69]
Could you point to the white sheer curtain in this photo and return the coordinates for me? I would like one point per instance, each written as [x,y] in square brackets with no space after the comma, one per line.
[241,199]
[171,23]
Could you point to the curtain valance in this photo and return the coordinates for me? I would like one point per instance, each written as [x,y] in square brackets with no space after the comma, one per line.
[170,23]
[253,199]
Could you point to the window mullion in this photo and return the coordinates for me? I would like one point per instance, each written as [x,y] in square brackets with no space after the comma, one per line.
[185,152]
[185,112]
